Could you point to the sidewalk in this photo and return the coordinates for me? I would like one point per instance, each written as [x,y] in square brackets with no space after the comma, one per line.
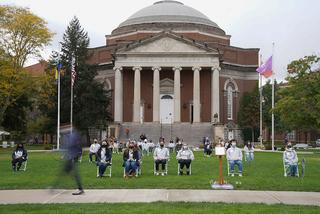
[151,195]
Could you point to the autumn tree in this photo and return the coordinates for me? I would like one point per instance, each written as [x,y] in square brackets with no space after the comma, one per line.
[300,103]
[23,35]
[280,127]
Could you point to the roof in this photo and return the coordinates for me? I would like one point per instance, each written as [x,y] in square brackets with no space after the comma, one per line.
[168,11]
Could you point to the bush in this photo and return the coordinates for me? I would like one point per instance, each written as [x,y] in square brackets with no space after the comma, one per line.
[48,147]
[283,148]
[268,147]
[201,147]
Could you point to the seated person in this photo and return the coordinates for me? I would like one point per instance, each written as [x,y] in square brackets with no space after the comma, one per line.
[161,155]
[184,157]
[104,156]
[290,158]
[178,146]
[111,145]
[151,145]
[140,144]
[248,151]
[94,149]
[120,146]
[115,146]
[234,156]
[171,146]
[19,155]
[131,159]
[145,147]
[208,148]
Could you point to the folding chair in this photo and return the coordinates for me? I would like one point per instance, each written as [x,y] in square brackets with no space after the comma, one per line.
[138,172]
[25,164]
[166,168]
[286,169]
[109,167]
[229,170]
[179,168]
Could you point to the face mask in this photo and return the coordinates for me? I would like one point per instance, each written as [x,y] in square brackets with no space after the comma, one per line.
[131,147]
[104,146]
[95,141]
[289,146]
[233,144]
[185,147]
[161,145]
[248,143]
[19,147]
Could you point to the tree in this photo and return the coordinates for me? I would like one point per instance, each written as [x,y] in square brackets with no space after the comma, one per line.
[23,34]
[280,126]
[300,103]
[90,98]
[249,114]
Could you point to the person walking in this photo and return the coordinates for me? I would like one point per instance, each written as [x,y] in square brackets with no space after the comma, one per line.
[127,132]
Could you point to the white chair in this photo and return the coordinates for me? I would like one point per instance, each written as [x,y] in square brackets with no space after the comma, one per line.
[229,170]
[109,167]
[166,169]
[286,169]
[179,168]
[138,172]
[24,163]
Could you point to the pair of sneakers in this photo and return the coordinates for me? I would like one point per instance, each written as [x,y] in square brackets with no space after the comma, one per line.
[78,192]
[232,174]
[161,173]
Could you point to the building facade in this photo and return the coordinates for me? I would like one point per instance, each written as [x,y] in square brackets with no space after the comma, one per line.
[170,64]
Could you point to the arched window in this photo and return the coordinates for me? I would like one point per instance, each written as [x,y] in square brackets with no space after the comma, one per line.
[229,102]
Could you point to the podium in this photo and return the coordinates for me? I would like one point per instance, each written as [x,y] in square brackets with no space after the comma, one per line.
[220,151]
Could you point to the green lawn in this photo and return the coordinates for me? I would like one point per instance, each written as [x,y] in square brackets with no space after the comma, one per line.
[265,173]
[157,207]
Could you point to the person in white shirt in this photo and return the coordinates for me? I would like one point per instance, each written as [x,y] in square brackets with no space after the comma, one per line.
[145,147]
[161,155]
[140,144]
[151,145]
[248,151]
[171,146]
[234,156]
[94,149]
[184,157]
[290,158]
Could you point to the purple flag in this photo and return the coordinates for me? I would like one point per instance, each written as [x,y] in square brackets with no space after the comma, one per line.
[265,66]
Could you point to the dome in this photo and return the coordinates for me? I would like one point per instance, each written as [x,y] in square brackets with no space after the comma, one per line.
[168,11]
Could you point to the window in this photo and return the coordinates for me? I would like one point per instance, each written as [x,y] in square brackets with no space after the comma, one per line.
[291,136]
[230,103]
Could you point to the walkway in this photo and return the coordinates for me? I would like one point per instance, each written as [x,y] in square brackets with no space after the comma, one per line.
[151,195]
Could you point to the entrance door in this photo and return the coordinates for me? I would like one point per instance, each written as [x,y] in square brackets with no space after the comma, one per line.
[230,134]
[166,108]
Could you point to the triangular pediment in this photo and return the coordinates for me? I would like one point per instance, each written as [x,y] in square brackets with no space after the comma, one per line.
[166,42]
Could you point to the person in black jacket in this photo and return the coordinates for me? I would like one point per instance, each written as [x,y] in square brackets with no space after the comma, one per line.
[19,155]
[104,156]
[131,159]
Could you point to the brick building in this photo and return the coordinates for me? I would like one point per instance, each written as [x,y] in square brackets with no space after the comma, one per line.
[170,64]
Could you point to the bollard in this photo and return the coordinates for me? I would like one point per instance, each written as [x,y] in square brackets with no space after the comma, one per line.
[4,144]
[12,144]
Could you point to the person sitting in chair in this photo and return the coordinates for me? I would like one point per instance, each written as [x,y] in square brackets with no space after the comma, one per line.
[104,156]
[208,148]
[161,155]
[19,155]
[290,158]
[145,147]
[171,146]
[94,149]
[131,159]
[184,157]
[248,150]
[234,156]
[120,147]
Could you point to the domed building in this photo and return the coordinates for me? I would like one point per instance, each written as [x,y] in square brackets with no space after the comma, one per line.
[170,66]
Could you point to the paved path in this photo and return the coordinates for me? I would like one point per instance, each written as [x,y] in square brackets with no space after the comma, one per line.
[151,195]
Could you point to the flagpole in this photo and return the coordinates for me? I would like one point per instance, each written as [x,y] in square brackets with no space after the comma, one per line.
[272,97]
[71,127]
[260,87]
[58,123]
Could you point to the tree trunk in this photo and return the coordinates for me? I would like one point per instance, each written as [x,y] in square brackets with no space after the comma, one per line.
[252,135]
[88,138]
[305,137]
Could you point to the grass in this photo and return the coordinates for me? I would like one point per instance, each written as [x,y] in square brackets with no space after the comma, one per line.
[265,173]
[158,207]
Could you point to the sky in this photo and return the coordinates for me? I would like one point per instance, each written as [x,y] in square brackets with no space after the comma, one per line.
[288,28]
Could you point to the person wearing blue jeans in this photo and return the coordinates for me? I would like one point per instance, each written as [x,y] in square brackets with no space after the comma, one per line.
[248,150]
[131,159]
[234,156]
[104,156]
[290,158]
[145,147]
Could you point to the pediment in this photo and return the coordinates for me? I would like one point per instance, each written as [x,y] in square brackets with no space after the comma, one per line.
[166,42]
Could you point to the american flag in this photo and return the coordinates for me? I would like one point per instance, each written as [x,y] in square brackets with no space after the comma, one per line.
[73,72]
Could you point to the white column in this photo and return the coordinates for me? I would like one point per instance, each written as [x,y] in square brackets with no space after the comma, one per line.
[156,94]
[137,95]
[118,95]
[177,85]
[215,93]
[196,95]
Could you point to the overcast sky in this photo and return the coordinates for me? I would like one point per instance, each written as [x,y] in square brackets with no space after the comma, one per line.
[292,25]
